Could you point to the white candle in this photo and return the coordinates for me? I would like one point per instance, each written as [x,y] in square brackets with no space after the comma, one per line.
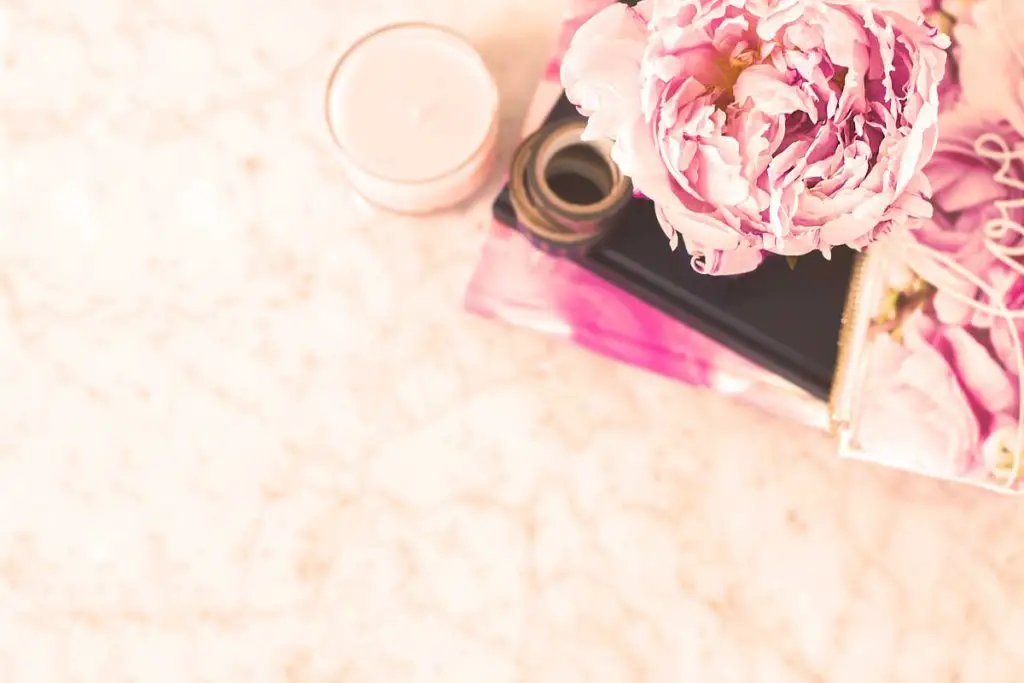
[414,111]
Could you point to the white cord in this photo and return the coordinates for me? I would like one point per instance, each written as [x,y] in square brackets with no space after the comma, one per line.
[994,147]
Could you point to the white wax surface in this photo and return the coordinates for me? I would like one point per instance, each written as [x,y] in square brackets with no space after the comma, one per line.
[412,103]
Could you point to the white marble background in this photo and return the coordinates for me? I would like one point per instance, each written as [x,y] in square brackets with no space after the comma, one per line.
[248,436]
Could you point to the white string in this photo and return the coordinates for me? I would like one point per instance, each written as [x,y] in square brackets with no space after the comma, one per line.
[994,147]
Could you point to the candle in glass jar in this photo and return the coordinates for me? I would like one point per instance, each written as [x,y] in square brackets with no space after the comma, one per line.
[414,111]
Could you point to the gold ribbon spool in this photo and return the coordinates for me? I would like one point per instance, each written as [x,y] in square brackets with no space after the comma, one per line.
[567,193]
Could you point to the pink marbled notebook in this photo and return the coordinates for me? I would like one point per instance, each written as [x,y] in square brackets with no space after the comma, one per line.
[518,284]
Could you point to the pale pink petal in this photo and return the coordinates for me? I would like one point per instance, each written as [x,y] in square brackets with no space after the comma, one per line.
[770,91]
[601,69]
[982,377]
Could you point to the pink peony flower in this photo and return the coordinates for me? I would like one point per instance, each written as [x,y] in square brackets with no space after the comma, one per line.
[917,409]
[982,378]
[781,125]
[991,59]
[966,188]
[941,391]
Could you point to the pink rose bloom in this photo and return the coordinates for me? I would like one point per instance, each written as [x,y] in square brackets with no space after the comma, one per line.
[965,191]
[781,125]
[991,59]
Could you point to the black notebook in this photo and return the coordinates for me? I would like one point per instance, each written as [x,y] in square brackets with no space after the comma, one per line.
[786,320]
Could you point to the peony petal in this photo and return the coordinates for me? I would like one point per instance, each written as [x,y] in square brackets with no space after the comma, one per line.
[721,183]
[915,410]
[703,229]
[601,69]
[784,12]
[717,262]
[952,310]
[981,376]
[914,155]
[771,92]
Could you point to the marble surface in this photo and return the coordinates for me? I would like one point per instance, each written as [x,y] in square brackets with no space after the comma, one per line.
[247,434]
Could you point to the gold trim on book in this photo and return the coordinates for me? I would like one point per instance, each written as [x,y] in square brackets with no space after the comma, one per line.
[837,408]
[554,222]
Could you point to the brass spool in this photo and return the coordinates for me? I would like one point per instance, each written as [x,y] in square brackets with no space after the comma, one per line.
[567,193]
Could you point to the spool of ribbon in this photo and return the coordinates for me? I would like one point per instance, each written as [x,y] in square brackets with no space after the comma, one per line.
[567,193]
